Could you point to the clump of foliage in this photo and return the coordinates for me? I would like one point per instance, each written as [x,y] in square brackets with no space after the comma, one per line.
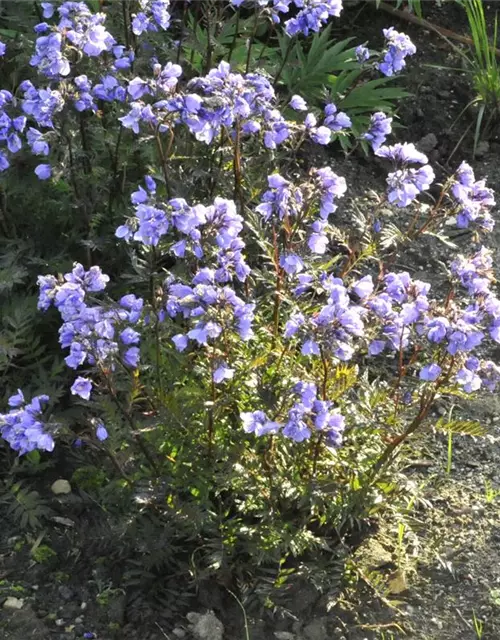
[483,66]
[249,370]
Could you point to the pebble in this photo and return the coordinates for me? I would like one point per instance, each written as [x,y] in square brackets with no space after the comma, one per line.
[206,626]
[79,620]
[60,487]
[179,633]
[482,149]
[65,592]
[13,603]
[427,143]
[60,622]
[316,630]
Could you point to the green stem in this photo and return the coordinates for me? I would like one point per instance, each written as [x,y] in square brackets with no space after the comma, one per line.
[284,61]
[152,285]
[126,414]
[125,23]
[233,41]
[252,38]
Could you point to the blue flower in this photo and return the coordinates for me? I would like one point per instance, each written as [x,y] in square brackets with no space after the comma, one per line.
[82,387]
[221,373]
[362,53]
[430,372]
[258,423]
[22,427]
[101,432]
[398,47]
[43,171]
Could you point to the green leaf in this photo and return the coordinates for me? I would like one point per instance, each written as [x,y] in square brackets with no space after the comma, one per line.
[463,427]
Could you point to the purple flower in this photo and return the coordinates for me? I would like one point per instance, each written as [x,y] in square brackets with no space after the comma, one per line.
[406,184]
[321,135]
[82,387]
[362,53]
[311,16]
[48,9]
[180,341]
[101,432]
[291,263]
[336,120]
[402,154]
[376,347]
[43,171]
[468,380]
[380,128]
[473,198]
[298,103]
[398,46]
[430,372]
[222,372]
[131,357]
[22,427]
[129,336]
[17,399]
[258,423]
[310,348]
[330,186]
[363,287]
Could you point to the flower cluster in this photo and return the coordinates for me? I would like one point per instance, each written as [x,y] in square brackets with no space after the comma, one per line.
[307,414]
[22,426]
[284,200]
[206,232]
[405,183]
[473,199]
[41,104]
[311,17]
[244,105]
[331,329]
[78,28]
[10,128]
[154,15]
[397,47]
[380,128]
[211,308]
[95,334]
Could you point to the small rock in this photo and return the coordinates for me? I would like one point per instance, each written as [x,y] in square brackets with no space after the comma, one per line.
[66,592]
[60,486]
[66,522]
[316,630]
[60,622]
[79,620]
[13,603]
[25,624]
[179,633]
[482,148]
[427,143]
[206,626]
[83,606]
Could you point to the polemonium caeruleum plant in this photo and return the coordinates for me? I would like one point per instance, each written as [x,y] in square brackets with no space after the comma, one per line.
[255,353]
